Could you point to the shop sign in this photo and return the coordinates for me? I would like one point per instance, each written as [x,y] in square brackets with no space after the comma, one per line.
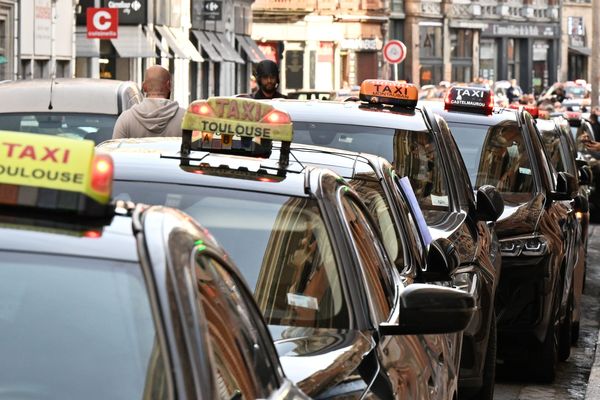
[42,26]
[212,10]
[131,12]
[102,23]
[518,30]
[361,44]
[577,41]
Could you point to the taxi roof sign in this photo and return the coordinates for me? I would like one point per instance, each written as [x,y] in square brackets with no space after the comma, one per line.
[399,94]
[238,117]
[51,172]
[469,99]
[211,125]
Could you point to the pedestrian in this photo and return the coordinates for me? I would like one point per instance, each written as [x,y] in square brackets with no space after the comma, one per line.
[514,92]
[595,123]
[157,115]
[267,79]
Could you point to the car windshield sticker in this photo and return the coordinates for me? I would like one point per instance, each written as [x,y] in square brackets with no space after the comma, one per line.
[298,300]
[439,200]
[524,171]
[416,210]
[173,200]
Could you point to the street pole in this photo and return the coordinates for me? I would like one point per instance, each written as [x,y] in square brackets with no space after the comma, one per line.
[53,39]
[595,51]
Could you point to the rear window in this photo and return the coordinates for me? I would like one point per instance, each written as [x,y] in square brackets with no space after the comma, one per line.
[74,328]
[96,127]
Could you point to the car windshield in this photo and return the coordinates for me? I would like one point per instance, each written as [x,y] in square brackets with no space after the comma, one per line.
[76,328]
[280,244]
[576,92]
[496,155]
[412,153]
[96,127]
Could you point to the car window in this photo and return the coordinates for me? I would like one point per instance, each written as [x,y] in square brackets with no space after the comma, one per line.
[280,243]
[554,149]
[418,157]
[77,328]
[240,358]
[377,278]
[496,155]
[96,127]
[372,193]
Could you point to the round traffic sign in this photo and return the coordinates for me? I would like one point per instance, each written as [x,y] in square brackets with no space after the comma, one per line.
[394,52]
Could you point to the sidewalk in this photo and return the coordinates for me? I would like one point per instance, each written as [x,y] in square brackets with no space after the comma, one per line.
[593,387]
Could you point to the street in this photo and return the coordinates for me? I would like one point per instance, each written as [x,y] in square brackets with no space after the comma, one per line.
[572,375]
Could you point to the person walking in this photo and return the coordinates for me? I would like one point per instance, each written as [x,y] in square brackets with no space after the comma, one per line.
[514,92]
[157,115]
[267,79]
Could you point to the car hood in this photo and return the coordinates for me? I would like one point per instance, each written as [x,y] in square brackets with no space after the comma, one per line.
[317,359]
[520,219]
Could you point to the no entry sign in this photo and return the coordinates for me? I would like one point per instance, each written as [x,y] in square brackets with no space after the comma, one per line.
[394,52]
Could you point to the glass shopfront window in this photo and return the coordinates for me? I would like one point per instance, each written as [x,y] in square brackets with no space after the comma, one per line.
[430,51]
[488,51]
[512,55]
[461,53]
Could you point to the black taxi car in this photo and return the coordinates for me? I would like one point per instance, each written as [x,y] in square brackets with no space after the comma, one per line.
[117,301]
[419,146]
[537,231]
[561,151]
[344,323]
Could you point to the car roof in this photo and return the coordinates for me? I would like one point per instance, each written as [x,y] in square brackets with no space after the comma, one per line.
[144,160]
[546,125]
[68,95]
[116,242]
[353,114]
[497,116]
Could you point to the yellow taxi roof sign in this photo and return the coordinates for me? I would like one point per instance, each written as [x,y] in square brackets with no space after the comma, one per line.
[377,91]
[238,117]
[30,161]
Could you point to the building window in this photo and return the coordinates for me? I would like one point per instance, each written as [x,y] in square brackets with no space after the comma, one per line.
[461,53]
[430,52]
[488,51]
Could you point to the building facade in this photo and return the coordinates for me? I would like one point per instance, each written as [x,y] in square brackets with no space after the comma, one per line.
[323,45]
[205,45]
[36,39]
[462,40]
[576,40]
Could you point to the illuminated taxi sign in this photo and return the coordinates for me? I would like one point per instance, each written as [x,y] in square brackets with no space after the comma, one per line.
[469,99]
[35,169]
[393,93]
[240,117]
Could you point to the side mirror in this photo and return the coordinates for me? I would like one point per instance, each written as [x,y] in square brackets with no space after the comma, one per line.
[490,204]
[585,175]
[430,309]
[566,187]
[581,204]
[442,259]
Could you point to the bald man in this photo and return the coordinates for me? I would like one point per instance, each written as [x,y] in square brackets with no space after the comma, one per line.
[156,115]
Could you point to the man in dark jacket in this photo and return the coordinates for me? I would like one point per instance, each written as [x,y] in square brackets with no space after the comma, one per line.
[267,78]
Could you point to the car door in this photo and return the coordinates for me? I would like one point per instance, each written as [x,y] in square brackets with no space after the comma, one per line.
[245,363]
[411,363]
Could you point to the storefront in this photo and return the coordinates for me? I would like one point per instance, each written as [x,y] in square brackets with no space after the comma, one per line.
[579,50]
[8,11]
[46,39]
[525,52]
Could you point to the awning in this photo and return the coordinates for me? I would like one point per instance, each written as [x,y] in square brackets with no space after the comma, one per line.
[250,48]
[85,47]
[133,43]
[224,46]
[207,46]
[583,51]
[179,43]
[157,42]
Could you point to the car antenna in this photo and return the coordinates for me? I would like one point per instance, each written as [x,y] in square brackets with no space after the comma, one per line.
[51,87]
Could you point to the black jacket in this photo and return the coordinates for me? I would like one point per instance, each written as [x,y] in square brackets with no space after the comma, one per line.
[261,96]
